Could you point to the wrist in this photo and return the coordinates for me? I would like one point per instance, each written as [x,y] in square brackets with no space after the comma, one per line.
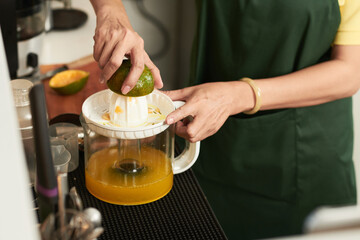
[101,6]
[111,11]
[108,9]
[243,97]
[257,94]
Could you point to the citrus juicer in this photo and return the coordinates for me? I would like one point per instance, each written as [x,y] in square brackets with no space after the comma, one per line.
[128,111]
[129,150]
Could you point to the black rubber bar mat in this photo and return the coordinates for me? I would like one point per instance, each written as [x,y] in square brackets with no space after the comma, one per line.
[184,213]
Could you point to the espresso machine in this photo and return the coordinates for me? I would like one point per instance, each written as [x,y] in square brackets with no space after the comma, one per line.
[23,28]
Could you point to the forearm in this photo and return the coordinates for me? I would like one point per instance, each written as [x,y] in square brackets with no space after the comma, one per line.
[103,8]
[321,83]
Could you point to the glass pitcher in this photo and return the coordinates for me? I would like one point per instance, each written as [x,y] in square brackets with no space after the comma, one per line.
[133,171]
[21,88]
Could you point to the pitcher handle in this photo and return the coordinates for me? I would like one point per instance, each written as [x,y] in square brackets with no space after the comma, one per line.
[190,153]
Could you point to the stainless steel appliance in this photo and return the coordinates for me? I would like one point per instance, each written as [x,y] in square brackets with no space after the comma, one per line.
[23,28]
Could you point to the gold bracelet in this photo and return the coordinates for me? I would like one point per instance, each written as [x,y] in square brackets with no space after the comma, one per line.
[257,93]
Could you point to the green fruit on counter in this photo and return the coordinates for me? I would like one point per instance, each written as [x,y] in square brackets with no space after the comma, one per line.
[69,82]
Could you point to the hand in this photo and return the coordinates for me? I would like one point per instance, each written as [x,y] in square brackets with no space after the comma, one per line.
[209,104]
[114,39]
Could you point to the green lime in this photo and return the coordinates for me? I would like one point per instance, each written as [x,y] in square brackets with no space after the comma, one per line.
[144,86]
[69,81]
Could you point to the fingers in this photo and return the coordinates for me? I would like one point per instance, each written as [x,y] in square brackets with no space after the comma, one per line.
[112,46]
[181,130]
[111,66]
[139,58]
[154,71]
[106,53]
[188,130]
[98,44]
[179,114]
[137,67]
[197,129]
[106,40]
[202,103]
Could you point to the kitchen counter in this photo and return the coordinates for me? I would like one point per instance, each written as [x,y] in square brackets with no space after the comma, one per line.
[70,45]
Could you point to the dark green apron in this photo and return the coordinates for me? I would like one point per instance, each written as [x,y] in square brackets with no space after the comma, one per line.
[264,174]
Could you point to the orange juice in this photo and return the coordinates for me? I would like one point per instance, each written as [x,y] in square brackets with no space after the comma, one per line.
[114,186]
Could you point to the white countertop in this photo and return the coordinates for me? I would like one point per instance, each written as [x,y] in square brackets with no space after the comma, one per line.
[67,46]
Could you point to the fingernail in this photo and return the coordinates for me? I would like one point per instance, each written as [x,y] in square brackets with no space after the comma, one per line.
[125,89]
[170,121]
[102,78]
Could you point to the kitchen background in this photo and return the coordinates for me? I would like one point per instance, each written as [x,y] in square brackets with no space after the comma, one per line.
[178,18]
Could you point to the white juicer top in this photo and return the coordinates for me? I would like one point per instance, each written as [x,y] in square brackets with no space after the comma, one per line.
[127,118]
[128,111]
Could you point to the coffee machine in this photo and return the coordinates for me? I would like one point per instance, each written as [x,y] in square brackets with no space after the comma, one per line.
[23,28]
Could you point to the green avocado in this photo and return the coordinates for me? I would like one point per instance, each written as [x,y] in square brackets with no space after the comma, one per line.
[144,86]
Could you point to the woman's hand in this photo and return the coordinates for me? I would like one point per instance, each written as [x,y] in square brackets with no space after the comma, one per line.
[114,39]
[209,104]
